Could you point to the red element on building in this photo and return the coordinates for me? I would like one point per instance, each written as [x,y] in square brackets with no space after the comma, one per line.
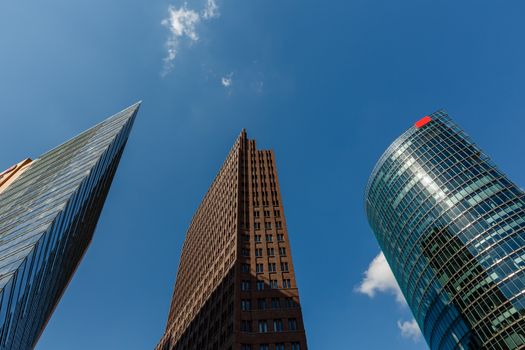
[423,122]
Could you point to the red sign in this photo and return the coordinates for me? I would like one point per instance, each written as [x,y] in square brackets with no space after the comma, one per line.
[423,122]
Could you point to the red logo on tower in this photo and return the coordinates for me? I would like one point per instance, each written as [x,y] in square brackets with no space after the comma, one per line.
[423,122]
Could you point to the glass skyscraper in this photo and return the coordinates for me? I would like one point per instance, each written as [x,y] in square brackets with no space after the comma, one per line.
[49,208]
[452,228]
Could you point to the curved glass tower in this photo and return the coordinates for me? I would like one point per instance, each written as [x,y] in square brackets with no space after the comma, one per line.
[452,227]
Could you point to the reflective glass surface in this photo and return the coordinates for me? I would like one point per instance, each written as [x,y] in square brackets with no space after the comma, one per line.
[451,226]
[47,219]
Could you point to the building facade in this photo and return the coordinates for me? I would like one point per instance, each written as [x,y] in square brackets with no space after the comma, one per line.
[49,208]
[452,228]
[235,286]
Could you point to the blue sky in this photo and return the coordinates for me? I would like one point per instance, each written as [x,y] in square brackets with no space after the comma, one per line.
[327,85]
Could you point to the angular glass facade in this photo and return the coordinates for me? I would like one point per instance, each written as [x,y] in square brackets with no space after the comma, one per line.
[48,214]
[452,227]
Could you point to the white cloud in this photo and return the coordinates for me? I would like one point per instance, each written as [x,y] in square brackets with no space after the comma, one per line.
[226,81]
[181,23]
[211,10]
[379,278]
[410,329]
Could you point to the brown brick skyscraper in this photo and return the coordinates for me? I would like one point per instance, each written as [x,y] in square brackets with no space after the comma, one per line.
[235,287]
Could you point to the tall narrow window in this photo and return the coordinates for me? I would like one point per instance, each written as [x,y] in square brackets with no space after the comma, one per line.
[259,268]
[275,303]
[278,325]
[292,324]
[290,303]
[296,346]
[246,304]
[245,285]
[245,267]
[282,251]
[260,285]
[263,326]
[271,267]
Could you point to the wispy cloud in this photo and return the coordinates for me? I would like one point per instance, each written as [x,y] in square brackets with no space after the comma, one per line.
[410,329]
[182,24]
[227,80]
[378,278]
[182,21]
[211,10]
